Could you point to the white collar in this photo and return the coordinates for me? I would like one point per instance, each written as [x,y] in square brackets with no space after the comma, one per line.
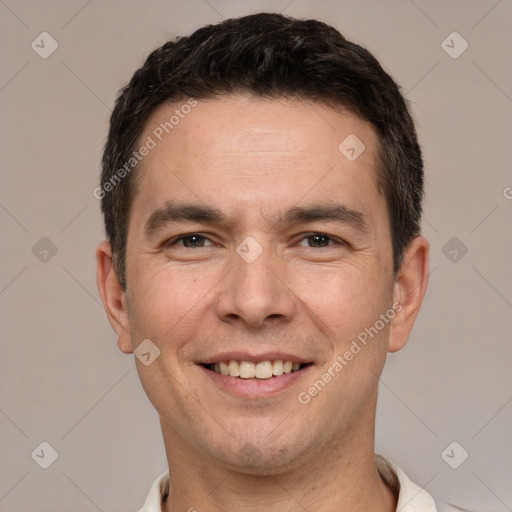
[411,498]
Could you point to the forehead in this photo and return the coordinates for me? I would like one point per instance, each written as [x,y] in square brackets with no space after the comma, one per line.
[261,151]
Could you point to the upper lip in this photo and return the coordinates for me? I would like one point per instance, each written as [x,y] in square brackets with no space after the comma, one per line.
[254,358]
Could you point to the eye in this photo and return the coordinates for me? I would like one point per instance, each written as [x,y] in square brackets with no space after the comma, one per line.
[190,241]
[318,240]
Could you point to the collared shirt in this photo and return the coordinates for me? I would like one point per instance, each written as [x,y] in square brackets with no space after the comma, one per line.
[411,498]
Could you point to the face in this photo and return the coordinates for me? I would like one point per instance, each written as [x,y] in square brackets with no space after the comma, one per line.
[256,245]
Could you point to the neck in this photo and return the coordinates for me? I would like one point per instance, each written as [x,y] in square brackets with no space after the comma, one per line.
[342,476]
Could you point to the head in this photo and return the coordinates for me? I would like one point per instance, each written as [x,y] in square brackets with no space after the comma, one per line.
[261,189]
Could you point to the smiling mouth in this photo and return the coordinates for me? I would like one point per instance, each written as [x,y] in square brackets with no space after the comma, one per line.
[260,370]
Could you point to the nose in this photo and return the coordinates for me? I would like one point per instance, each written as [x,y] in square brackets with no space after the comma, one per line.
[255,292]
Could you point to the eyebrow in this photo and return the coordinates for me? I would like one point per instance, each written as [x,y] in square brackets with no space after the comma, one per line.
[171,213]
[182,213]
[327,212]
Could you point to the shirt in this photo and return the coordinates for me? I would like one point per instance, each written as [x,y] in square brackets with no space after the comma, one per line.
[411,498]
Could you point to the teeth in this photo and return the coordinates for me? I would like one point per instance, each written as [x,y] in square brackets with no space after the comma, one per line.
[234,369]
[224,368]
[260,370]
[277,367]
[247,370]
[264,370]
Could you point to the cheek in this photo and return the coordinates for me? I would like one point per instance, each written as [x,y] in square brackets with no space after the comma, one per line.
[167,301]
[344,300]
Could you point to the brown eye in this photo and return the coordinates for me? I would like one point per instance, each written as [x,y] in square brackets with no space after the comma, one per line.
[192,241]
[319,240]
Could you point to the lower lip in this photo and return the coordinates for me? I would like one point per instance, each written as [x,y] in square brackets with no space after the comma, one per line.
[255,388]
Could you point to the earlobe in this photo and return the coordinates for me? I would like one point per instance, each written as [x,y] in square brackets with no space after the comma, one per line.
[124,345]
[113,297]
[409,290]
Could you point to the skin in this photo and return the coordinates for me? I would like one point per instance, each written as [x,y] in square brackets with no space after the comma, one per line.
[253,159]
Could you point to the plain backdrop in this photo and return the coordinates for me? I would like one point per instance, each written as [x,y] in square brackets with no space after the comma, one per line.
[62,379]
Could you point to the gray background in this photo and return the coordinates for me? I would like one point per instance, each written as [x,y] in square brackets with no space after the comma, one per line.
[63,380]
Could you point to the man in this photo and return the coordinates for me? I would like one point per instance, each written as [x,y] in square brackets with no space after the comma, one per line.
[261,188]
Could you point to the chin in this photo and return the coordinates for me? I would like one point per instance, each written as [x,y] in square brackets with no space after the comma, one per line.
[260,458]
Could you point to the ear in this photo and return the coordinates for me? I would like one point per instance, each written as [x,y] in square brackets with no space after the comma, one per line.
[409,290]
[113,297]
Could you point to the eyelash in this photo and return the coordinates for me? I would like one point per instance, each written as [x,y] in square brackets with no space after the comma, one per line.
[333,240]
